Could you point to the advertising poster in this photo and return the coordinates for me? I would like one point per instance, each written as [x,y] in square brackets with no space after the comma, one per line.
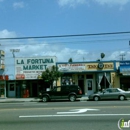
[31,68]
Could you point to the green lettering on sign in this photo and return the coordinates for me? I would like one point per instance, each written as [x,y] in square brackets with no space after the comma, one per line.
[34,67]
[22,62]
[39,61]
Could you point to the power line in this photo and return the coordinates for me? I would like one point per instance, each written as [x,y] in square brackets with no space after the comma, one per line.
[75,35]
[67,42]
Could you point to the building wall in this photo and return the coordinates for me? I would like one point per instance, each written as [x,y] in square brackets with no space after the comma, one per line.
[115,80]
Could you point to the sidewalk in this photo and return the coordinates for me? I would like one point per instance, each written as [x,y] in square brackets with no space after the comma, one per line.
[13,100]
[84,98]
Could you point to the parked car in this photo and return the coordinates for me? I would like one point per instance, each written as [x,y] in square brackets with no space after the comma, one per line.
[70,92]
[110,93]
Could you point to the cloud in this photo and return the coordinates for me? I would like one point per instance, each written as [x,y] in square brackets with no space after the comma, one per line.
[112,2]
[32,47]
[6,34]
[35,48]
[18,5]
[71,3]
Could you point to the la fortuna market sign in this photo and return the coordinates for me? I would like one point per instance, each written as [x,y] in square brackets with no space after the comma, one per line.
[31,68]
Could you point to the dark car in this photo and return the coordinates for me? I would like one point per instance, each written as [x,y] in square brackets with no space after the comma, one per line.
[70,92]
[110,93]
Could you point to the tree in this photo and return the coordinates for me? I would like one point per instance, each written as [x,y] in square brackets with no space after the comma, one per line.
[70,60]
[51,75]
[98,60]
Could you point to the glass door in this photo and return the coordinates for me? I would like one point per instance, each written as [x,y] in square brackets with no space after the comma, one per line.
[11,90]
[2,89]
[90,86]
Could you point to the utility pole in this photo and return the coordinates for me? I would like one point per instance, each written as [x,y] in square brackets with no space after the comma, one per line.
[83,59]
[13,52]
[122,56]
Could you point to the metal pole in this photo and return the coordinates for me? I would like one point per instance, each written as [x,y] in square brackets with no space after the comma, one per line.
[5,86]
[13,52]
[105,79]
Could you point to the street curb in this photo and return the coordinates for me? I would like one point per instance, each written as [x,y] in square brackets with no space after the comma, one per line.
[6,100]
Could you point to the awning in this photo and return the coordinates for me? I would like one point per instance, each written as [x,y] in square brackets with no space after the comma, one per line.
[125,70]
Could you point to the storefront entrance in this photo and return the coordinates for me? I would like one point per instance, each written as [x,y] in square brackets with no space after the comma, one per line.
[90,86]
[11,90]
[81,85]
[2,89]
[125,83]
[103,81]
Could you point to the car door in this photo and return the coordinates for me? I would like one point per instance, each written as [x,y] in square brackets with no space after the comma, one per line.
[105,94]
[110,94]
[65,91]
[56,93]
[115,94]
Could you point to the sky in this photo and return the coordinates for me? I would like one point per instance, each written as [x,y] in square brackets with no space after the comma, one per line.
[39,18]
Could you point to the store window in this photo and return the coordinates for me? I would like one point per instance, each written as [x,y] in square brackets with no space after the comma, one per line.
[67,80]
[2,90]
[12,87]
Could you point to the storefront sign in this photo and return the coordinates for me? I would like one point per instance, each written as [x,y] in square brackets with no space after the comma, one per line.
[31,68]
[2,57]
[74,67]
[125,63]
[2,53]
[4,77]
[95,66]
[2,67]
[125,67]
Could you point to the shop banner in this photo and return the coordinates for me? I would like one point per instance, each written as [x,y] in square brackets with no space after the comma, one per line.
[125,67]
[74,67]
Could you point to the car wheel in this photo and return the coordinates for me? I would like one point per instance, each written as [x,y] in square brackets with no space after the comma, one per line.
[72,98]
[96,98]
[45,99]
[122,98]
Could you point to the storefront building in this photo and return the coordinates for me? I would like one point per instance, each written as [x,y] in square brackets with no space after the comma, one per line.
[3,77]
[90,76]
[124,73]
[27,75]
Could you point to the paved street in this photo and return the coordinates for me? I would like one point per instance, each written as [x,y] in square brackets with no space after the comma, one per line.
[79,115]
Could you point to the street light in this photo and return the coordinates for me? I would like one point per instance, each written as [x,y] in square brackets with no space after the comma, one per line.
[13,52]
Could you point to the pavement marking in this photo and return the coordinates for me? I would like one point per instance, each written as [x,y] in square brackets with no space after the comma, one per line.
[112,102]
[74,111]
[34,104]
[74,115]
